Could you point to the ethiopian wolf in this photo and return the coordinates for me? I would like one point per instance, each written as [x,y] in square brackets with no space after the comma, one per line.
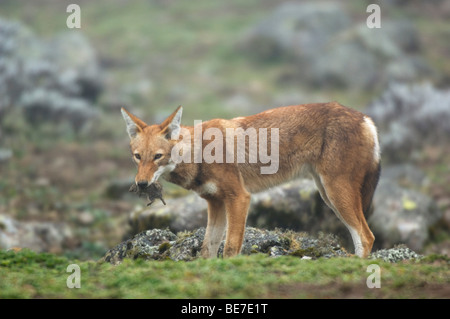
[337,146]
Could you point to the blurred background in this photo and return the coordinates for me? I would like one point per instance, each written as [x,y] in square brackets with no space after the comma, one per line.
[64,157]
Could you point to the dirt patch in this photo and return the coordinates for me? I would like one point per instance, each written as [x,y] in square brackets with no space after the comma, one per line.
[344,290]
[87,166]
[326,291]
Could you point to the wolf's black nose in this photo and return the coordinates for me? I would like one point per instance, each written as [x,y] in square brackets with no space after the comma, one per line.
[142,184]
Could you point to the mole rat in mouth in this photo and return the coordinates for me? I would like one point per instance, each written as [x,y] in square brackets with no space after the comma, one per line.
[153,191]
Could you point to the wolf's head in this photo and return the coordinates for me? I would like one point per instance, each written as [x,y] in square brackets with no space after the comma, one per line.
[151,145]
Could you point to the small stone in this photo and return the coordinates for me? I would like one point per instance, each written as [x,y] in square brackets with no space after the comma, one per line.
[86,218]
[5,154]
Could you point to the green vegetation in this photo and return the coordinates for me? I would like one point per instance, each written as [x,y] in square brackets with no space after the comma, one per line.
[26,274]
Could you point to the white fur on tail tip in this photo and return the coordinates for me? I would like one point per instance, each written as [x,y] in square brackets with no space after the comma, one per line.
[372,128]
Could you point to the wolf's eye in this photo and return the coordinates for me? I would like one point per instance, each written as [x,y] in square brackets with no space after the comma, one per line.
[137,156]
[158,156]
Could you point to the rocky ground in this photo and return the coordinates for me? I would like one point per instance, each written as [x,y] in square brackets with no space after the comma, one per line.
[157,244]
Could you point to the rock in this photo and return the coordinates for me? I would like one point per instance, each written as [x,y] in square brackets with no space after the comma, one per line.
[396,254]
[410,117]
[159,244]
[42,105]
[5,155]
[295,205]
[295,30]
[402,215]
[262,241]
[86,218]
[79,70]
[405,175]
[118,188]
[324,245]
[56,80]
[37,236]
[180,214]
[382,53]
[13,39]
[350,54]
[188,247]
[148,245]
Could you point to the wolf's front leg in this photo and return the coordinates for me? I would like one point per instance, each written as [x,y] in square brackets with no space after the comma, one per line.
[237,209]
[214,229]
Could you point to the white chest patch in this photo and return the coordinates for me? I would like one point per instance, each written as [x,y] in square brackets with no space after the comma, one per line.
[162,171]
[209,188]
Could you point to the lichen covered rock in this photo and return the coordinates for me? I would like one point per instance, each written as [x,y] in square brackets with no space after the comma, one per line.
[396,254]
[159,244]
[147,245]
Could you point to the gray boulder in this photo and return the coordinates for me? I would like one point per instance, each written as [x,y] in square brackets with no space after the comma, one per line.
[180,214]
[325,48]
[364,58]
[53,81]
[402,214]
[5,155]
[14,38]
[410,117]
[405,175]
[295,30]
[79,72]
[295,205]
[43,105]
[37,236]
[119,188]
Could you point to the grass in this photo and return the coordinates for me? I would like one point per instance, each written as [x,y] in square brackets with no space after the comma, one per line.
[26,274]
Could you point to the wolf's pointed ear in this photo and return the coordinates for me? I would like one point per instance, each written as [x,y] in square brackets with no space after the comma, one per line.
[134,125]
[172,125]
